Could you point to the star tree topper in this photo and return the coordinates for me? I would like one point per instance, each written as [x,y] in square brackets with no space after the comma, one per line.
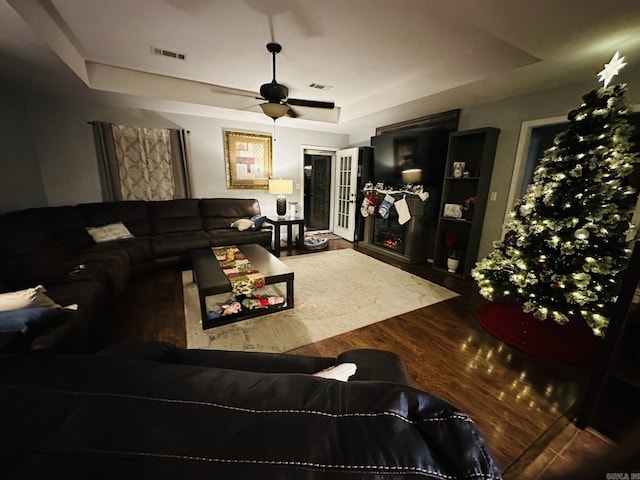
[611,69]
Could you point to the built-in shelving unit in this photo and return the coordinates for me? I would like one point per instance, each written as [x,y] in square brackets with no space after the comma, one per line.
[476,149]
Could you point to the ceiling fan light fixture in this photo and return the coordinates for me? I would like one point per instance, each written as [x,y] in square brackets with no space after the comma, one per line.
[274,110]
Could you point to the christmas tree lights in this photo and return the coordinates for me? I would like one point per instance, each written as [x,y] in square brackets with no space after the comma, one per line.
[565,246]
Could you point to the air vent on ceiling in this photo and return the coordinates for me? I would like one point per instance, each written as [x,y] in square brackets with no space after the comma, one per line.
[168,53]
[319,86]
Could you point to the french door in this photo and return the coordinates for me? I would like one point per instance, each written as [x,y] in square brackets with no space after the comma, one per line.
[346,178]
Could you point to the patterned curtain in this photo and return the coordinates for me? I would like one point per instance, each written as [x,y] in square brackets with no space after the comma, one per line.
[142,163]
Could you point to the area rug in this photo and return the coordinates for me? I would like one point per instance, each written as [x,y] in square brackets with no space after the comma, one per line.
[335,292]
[569,344]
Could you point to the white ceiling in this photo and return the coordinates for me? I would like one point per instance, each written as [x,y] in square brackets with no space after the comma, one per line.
[386,60]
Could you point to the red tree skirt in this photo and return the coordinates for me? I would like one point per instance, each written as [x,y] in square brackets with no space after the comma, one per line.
[571,344]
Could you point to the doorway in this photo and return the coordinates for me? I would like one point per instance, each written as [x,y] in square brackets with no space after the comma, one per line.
[317,189]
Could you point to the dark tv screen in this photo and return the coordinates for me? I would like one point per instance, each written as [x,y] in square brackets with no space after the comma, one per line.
[421,148]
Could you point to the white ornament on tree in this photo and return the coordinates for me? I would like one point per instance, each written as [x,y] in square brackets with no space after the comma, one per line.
[581,234]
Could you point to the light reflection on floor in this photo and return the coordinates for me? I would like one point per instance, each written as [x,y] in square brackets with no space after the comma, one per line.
[522,389]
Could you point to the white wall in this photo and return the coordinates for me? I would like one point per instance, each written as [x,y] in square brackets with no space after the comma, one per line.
[65,147]
[20,179]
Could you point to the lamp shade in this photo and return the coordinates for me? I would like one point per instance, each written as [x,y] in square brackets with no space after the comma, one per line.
[413,175]
[274,110]
[281,186]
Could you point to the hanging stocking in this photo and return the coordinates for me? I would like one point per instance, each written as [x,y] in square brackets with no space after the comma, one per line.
[372,203]
[403,210]
[365,208]
[385,206]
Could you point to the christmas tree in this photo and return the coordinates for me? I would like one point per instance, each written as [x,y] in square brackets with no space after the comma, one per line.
[566,242]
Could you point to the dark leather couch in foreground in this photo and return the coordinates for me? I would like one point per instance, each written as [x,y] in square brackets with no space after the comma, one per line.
[45,246]
[151,410]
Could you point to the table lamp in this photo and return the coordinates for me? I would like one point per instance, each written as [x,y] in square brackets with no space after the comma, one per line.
[281,187]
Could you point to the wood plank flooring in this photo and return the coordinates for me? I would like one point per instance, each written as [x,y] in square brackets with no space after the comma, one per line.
[513,397]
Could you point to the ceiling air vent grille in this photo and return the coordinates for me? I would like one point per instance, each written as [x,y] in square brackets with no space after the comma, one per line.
[319,86]
[168,53]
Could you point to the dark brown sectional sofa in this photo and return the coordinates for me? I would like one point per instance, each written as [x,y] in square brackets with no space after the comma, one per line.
[143,410]
[50,246]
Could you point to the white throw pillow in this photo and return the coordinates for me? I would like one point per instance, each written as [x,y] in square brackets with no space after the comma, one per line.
[27,298]
[341,372]
[106,233]
[242,224]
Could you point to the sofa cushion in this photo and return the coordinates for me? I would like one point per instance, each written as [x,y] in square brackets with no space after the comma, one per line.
[133,213]
[27,298]
[169,216]
[114,262]
[258,221]
[172,244]
[66,225]
[27,249]
[221,212]
[108,233]
[231,236]
[137,248]
[69,333]
[84,329]
[27,319]
[242,224]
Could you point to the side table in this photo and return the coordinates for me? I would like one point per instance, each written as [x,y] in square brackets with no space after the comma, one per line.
[277,222]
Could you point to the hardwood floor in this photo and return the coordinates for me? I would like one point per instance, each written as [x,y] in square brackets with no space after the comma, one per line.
[515,399]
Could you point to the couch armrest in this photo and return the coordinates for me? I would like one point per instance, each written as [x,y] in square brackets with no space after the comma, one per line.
[378,365]
[162,352]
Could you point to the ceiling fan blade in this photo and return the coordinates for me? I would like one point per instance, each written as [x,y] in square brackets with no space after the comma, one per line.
[310,103]
[292,113]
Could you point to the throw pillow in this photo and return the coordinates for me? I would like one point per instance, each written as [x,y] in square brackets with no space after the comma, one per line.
[26,319]
[106,233]
[341,372]
[27,298]
[258,220]
[242,224]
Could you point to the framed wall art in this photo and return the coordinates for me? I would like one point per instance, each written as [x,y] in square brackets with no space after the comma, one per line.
[247,159]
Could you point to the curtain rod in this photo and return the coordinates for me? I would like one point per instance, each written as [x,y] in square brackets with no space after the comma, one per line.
[91,122]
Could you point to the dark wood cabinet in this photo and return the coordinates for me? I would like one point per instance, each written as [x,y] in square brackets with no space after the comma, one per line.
[476,149]
[611,402]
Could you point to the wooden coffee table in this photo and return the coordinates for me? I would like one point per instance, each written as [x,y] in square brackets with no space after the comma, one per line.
[211,280]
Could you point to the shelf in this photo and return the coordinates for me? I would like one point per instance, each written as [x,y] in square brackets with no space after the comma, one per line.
[476,149]
[457,220]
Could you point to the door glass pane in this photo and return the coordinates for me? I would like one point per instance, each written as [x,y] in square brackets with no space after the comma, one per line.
[344,165]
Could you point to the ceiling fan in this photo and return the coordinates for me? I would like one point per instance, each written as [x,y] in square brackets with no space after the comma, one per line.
[277,95]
